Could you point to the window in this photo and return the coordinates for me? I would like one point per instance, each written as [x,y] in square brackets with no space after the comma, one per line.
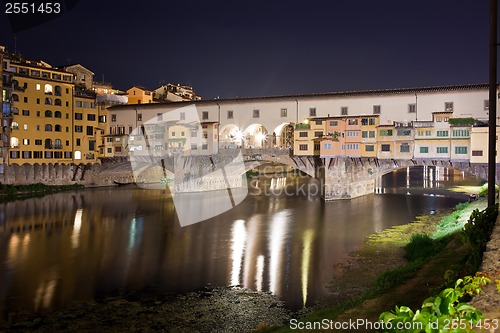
[15,110]
[173,134]
[26,142]
[385,147]
[334,123]
[352,146]
[26,154]
[303,134]
[90,130]
[302,147]
[318,134]
[38,87]
[91,145]
[442,133]
[448,106]
[412,108]
[14,142]
[78,142]
[194,146]
[460,150]
[78,116]
[15,98]
[38,101]
[461,132]
[317,146]
[58,128]
[48,144]
[369,148]
[38,142]
[344,111]
[48,128]
[486,105]
[256,113]
[318,122]
[404,132]
[139,117]
[404,148]
[48,101]
[352,122]
[57,144]
[109,150]
[26,112]
[78,104]
[25,99]
[37,154]
[113,118]
[204,115]
[312,112]
[477,153]
[57,91]
[194,134]
[57,102]
[352,133]
[15,154]
[442,150]
[204,146]
[283,112]
[38,113]
[78,129]
[57,114]
[78,154]
[327,146]
[364,134]
[386,132]
[371,134]
[48,114]
[230,114]
[376,109]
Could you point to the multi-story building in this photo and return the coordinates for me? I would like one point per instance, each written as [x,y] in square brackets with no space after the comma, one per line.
[139,95]
[175,93]
[41,109]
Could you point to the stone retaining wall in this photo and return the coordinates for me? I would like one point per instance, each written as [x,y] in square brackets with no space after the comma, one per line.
[488,302]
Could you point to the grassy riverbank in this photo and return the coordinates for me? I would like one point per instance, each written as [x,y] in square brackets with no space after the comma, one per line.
[12,192]
[378,276]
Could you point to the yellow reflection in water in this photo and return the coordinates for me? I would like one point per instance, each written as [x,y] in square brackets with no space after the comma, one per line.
[276,241]
[238,248]
[77,226]
[306,257]
[259,274]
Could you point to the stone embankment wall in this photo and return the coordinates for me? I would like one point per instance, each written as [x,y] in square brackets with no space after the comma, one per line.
[103,174]
[488,302]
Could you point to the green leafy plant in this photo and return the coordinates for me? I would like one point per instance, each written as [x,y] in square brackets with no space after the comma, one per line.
[446,312]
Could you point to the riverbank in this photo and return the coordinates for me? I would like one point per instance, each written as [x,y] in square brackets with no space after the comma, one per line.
[13,192]
[212,309]
[378,276]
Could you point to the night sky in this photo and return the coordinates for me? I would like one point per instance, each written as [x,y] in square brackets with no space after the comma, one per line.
[259,48]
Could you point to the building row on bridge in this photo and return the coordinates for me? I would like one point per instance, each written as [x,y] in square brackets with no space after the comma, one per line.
[441,138]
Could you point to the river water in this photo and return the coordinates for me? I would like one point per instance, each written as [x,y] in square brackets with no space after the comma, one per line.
[95,242]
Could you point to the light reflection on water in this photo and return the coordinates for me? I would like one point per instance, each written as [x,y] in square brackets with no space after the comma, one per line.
[79,245]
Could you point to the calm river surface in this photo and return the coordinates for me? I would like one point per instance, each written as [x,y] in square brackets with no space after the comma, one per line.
[94,242]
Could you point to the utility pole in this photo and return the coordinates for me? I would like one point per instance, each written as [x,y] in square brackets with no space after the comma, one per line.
[492,104]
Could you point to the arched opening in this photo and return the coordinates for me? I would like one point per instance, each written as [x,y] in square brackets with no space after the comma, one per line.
[57,91]
[48,101]
[48,144]
[230,137]
[256,136]
[57,144]
[58,128]
[48,114]
[58,102]
[57,114]
[48,128]
[48,89]
[14,142]
[283,136]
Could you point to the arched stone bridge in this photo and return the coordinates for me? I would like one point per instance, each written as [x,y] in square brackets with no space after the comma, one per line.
[341,177]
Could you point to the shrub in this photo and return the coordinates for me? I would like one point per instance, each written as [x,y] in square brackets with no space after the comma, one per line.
[420,247]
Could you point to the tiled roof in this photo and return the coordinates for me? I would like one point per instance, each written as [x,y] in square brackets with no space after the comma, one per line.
[463,87]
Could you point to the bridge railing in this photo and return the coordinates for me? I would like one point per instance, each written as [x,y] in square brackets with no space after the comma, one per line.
[256,152]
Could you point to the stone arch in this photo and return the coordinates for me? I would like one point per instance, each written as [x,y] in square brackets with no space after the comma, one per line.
[230,136]
[283,135]
[256,136]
